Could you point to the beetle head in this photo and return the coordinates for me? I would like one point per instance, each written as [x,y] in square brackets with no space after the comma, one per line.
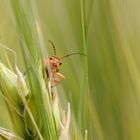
[54,63]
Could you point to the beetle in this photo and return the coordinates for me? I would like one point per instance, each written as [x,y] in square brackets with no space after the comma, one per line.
[53,65]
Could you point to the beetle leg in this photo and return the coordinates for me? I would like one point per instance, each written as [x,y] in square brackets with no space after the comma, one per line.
[57,78]
[59,75]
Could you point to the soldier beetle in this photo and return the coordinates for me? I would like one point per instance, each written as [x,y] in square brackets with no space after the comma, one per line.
[53,65]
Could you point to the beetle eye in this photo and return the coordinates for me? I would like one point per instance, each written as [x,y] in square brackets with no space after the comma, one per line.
[60,63]
[50,58]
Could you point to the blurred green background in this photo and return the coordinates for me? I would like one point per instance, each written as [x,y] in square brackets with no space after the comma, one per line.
[109,102]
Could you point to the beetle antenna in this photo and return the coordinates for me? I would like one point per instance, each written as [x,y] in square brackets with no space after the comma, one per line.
[72,54]
[52,44]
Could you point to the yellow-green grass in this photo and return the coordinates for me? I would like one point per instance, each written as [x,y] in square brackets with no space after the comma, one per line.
[102,88]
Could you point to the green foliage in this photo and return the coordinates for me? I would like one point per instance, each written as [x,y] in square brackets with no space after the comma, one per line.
[100,92]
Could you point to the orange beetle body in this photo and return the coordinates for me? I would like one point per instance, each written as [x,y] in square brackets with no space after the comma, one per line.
[52,67]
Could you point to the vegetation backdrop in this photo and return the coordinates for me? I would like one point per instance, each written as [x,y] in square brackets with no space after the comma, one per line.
[103,86]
